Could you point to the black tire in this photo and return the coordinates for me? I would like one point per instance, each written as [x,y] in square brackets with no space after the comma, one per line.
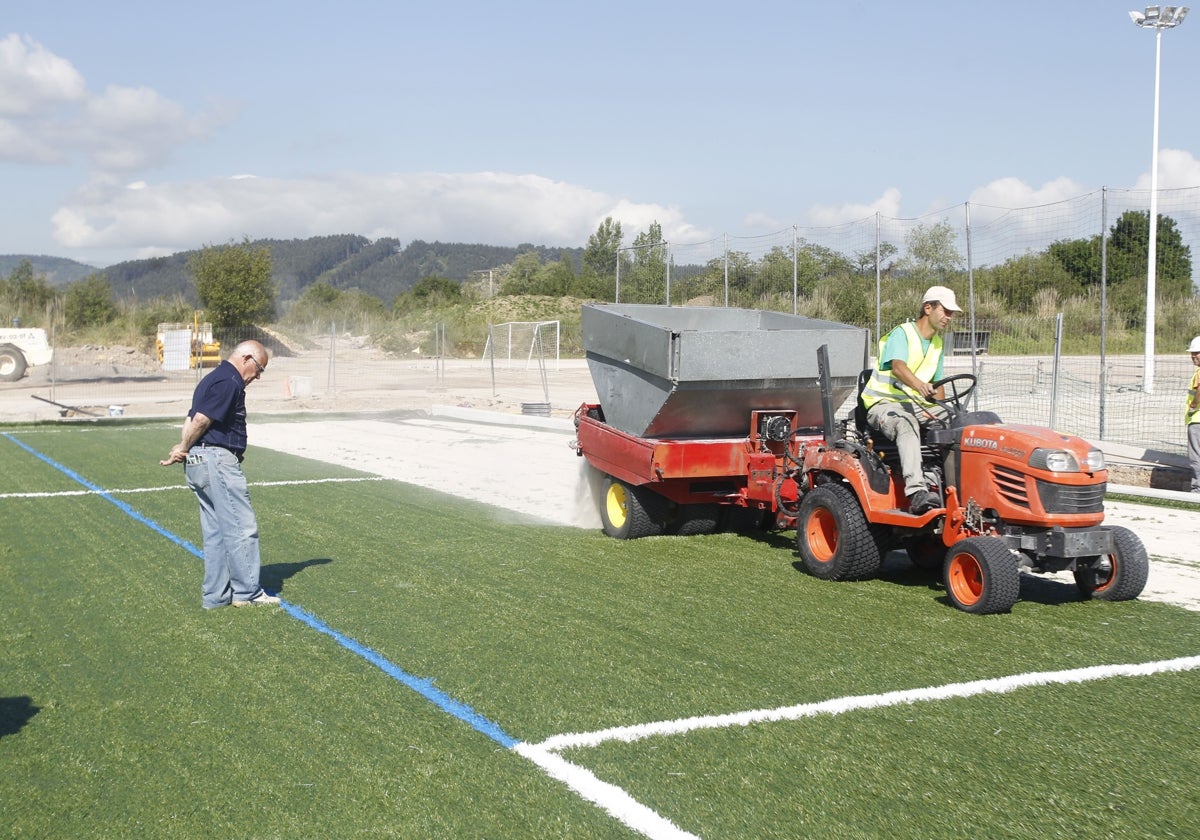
[628,512]
[981,576]
[692,520]
[833,536]
[1120,576]
[12,363]
[927,552]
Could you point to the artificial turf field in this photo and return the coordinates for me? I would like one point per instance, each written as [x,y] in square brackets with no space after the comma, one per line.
[438,665]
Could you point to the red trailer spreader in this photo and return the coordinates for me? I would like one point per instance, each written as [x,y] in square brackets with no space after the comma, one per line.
[704,412]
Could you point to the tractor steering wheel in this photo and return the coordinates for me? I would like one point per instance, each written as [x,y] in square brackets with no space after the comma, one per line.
[955,403]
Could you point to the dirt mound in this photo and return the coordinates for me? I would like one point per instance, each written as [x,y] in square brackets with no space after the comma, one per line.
[115,360]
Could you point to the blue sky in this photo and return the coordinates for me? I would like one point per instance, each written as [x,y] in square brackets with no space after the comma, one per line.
[134,129]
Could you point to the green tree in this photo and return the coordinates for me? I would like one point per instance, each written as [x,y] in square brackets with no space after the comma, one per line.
[428,292]
[234,283]
[1018,280]
[1080,258]
[520,276]
[25,294]
[864,261]
[601,252]
[648,270]
[932,252]
[555,279]
[1128,248]
[89,302]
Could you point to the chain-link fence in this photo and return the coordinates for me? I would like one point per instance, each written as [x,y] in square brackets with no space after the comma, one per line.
[1076,362]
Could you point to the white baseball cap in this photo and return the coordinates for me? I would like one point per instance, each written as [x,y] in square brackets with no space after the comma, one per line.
[942,295]
[1194,347]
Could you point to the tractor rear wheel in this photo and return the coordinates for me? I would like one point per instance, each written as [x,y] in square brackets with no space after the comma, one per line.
[628,512]
[833,535]
[982,576]
[12,363]
[1120,576]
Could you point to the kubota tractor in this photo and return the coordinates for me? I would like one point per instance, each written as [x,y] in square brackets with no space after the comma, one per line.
[1015,497]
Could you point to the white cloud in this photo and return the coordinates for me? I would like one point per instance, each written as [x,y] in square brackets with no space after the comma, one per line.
[1176,169]
[48,116]
[1013,192]
[33,79]
[887,204]
[473,207]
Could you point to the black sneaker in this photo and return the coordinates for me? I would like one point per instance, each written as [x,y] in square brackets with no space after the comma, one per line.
[922,502]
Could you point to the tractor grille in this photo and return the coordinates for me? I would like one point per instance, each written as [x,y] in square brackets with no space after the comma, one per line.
[1011,485]
[1055,498]
[1061,498]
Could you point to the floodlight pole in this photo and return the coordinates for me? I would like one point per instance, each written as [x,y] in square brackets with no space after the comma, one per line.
[1158,19]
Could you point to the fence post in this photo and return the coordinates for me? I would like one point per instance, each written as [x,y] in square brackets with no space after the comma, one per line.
[1103,305]
[726,255]
[1058,322]
[331,383]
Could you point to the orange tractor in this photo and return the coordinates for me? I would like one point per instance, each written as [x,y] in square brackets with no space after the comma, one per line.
[716,419]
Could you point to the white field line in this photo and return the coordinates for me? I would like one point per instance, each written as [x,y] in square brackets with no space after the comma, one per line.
[998,685]
[609,797]
[57,493]
[648,822]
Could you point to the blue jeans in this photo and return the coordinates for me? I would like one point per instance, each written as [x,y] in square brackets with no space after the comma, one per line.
[231,558]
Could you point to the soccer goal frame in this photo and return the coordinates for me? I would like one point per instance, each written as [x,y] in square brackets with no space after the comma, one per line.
[504,338]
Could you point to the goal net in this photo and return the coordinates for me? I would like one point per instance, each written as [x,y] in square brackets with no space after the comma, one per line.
[533,341]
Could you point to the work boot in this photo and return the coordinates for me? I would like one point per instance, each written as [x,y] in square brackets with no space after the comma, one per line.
[922,502]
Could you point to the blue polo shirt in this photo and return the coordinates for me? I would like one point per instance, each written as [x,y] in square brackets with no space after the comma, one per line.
[221,396]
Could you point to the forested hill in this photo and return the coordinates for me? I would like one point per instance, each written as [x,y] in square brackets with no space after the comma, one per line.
[382,268]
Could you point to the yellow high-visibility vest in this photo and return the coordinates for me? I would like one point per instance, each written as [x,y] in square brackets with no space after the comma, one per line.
[1190,416]
[883,386]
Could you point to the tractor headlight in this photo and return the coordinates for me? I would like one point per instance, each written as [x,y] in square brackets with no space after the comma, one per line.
[1054,460]
[1095,461]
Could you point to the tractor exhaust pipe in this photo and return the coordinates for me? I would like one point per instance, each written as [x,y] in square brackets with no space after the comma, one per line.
[831,434]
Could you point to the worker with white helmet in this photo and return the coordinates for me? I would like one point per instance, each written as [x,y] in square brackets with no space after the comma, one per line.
[898,396]
[1192,415]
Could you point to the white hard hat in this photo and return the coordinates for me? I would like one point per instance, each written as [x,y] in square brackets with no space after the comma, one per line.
[1194,347]
[941,295]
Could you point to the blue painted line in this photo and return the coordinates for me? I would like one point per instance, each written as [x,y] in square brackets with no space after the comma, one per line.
[104,494]
[423,687]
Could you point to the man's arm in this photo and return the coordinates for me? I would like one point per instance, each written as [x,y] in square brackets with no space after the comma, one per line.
[194,428]
[904,373]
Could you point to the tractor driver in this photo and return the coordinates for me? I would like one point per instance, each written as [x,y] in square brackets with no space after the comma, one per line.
[898,395]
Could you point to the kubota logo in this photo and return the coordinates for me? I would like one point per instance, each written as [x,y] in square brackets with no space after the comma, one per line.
[980,443]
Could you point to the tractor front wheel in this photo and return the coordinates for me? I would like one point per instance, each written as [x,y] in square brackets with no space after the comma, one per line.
[982,576]
[1119,576]
[833,535]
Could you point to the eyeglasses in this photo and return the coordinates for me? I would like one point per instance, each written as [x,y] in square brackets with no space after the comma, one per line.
[261,369]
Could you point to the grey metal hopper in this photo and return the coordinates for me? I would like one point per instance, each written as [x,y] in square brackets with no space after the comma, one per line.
[694,372]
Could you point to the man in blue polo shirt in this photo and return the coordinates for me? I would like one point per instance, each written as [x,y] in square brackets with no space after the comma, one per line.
[213,444]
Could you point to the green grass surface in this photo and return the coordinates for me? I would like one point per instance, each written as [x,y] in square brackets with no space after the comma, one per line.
[129,711]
